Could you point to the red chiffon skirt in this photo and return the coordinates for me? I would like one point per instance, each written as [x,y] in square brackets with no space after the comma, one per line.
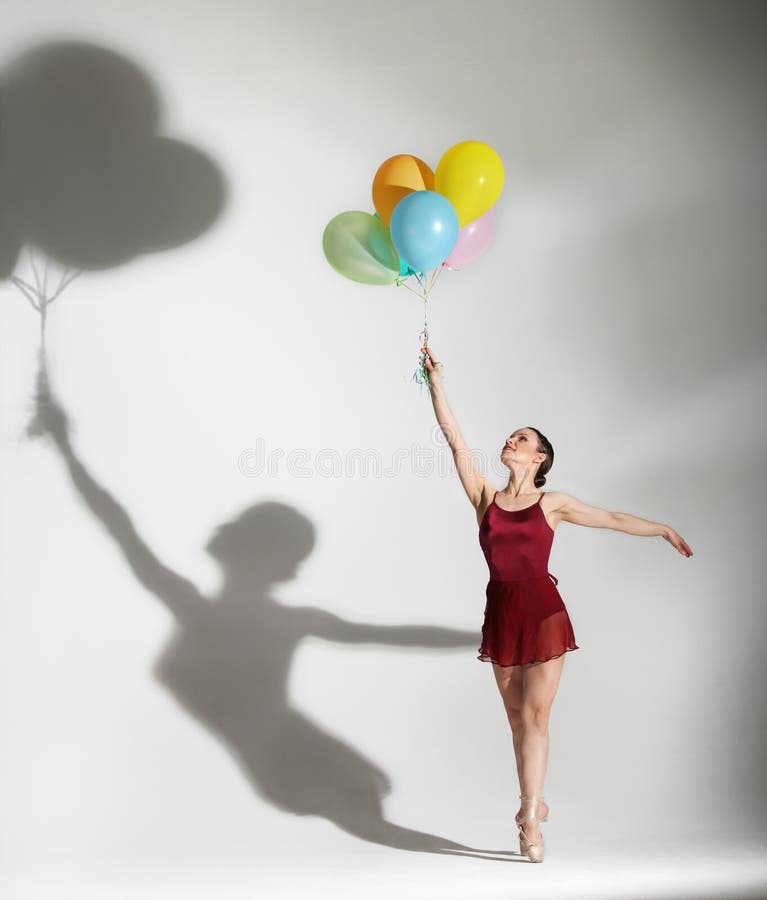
[525,621]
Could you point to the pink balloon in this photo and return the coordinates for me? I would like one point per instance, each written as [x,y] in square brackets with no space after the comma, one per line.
[473,239]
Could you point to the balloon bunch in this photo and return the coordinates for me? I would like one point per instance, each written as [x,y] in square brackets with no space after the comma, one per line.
[425,221]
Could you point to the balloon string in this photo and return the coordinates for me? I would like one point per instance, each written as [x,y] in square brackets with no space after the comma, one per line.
[436,275]
[424,293]
[412,290]
[421,374]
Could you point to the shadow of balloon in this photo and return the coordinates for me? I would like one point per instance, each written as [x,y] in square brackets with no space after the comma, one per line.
[85,174]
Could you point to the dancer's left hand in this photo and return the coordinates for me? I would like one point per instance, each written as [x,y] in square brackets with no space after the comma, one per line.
[677,541]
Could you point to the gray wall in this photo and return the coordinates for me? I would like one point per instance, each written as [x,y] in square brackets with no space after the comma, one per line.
[620,310]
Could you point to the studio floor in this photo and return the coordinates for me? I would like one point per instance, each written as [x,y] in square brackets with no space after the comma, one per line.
[301,870]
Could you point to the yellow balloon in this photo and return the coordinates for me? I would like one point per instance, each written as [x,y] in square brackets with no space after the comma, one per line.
[470,175]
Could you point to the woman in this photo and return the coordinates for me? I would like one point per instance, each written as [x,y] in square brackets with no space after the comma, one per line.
[526,630]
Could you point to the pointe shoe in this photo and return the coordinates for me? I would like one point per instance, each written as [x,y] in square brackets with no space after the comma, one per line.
[533,850]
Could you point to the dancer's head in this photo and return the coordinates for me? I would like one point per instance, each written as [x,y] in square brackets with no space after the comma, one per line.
[529,447]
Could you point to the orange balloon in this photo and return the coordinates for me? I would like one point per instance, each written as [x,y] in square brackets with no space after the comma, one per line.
[398,176]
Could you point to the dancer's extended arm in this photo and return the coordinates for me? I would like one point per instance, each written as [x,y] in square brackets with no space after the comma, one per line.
[565,508]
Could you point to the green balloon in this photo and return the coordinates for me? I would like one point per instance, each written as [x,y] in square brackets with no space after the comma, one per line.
[360,247]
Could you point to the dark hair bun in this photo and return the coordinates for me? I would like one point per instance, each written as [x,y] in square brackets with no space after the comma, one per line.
[540,480]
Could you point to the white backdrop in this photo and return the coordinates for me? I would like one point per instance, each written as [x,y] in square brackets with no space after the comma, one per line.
[620,310]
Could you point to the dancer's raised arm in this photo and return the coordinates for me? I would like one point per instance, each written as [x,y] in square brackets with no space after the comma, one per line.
[478,489]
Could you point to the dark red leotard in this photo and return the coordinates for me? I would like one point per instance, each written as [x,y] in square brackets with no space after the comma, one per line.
[525,617]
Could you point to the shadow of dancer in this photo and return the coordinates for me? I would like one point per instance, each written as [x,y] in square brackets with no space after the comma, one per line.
[228,660]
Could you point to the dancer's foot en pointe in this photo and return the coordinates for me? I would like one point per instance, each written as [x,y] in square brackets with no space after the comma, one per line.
[534,810]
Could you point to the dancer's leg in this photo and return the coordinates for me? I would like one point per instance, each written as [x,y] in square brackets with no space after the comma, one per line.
[539,687]
[509,680]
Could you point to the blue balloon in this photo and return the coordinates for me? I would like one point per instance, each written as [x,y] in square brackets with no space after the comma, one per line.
[424,228]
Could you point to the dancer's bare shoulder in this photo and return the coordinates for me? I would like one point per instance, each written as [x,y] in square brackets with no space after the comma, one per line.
[552,507]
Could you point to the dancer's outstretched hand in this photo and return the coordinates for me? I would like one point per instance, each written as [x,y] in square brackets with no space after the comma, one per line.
[677,541]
